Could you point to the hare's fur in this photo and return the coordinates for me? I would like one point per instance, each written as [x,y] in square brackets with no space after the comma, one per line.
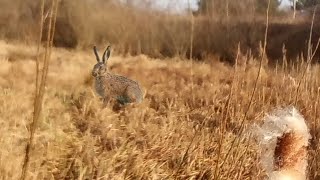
[114,87]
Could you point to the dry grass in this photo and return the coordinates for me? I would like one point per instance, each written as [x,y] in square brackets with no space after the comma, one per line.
[175,133]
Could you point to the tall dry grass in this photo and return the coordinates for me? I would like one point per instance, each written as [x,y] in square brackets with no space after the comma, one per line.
[170,135]
[41,72]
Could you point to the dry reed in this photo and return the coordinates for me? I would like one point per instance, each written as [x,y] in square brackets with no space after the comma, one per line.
[41,80]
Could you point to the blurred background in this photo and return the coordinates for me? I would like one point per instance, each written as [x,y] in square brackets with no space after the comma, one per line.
[163,28]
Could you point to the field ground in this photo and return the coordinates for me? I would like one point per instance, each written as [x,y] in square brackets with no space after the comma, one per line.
[184,128]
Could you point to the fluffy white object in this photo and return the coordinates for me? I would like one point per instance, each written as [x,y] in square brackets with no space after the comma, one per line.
[283,138]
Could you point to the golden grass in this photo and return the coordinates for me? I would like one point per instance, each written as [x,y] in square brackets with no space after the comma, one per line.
[175,133]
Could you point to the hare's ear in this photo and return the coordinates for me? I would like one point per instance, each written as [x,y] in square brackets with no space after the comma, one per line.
[106,54]
[96,53]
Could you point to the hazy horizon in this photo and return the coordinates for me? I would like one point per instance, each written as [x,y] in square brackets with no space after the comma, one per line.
[182,5]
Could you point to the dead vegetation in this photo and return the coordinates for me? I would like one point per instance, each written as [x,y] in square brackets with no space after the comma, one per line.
[182,130]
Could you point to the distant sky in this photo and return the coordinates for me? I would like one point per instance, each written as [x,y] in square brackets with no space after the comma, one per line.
[171,5]
[285,4]
[180,5]
[175,5]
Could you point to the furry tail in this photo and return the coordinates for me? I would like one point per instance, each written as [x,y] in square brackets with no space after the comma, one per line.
[284,138]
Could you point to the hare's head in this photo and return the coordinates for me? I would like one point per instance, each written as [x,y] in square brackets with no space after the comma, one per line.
[101,67]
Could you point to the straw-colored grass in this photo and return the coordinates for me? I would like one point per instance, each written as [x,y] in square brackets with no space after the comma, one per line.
[174,133]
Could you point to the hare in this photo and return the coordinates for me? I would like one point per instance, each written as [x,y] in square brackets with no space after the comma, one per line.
[112,87]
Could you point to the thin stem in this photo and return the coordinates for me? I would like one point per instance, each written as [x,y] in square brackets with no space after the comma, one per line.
[40,83]
[253,92]
[310,56]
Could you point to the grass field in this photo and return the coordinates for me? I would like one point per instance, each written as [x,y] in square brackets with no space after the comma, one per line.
[184,129]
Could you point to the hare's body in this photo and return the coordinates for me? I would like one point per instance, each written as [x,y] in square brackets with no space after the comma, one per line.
[122,89]
[114,87]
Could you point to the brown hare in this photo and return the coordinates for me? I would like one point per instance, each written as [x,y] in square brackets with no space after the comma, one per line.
[112,87]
